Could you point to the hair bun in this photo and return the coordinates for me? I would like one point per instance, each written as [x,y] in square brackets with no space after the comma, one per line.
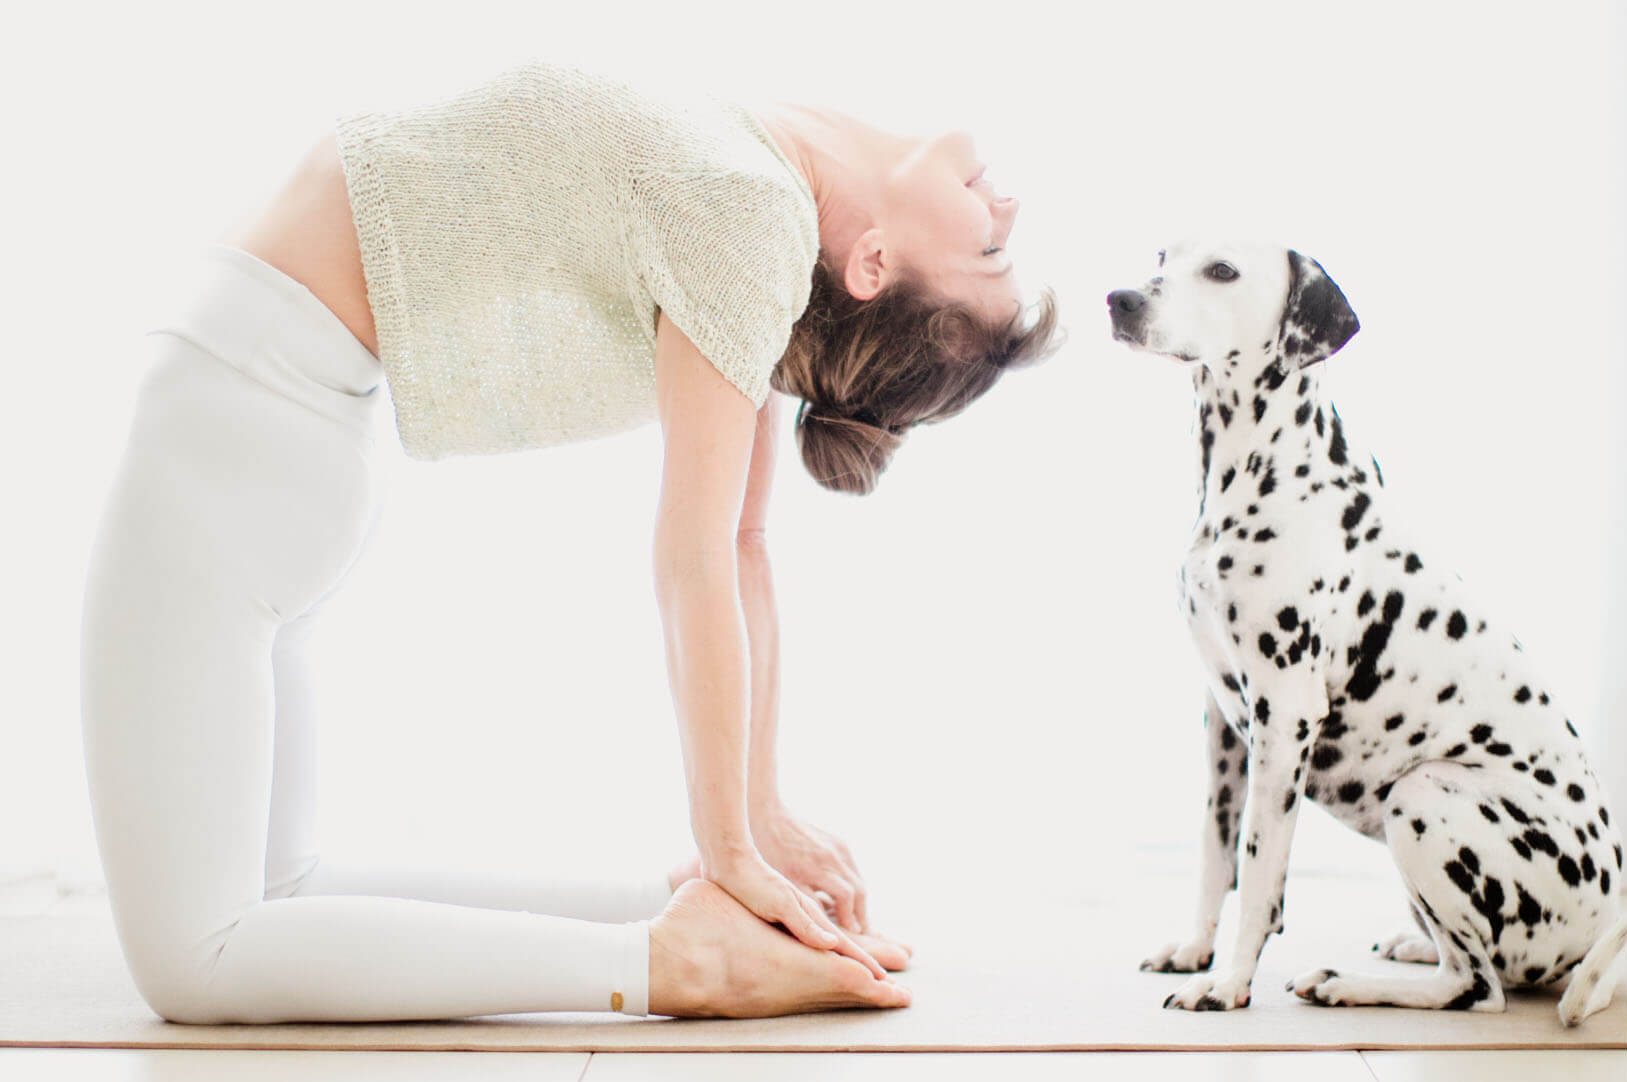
[843,453]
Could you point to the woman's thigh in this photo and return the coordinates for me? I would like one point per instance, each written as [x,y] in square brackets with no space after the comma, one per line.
[233,511]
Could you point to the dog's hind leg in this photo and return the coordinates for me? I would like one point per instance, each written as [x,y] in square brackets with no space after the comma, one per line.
[1228,774]
[1459,903]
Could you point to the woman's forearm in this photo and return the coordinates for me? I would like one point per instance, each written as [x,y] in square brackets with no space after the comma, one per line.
[763,635]
[707,667]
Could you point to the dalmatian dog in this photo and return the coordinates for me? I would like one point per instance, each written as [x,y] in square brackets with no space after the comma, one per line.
[1343,666]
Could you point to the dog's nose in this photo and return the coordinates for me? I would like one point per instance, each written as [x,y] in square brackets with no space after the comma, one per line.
[1126,300]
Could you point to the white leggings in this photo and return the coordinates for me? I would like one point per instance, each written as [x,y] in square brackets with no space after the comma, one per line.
[248,488]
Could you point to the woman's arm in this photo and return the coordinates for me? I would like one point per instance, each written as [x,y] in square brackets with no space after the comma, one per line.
[762,618]
[709,429]
[811,858]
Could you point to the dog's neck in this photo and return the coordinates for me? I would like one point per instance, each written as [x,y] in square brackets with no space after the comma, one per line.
[1263,428]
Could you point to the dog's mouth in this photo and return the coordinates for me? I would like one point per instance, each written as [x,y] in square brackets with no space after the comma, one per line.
[1135,336]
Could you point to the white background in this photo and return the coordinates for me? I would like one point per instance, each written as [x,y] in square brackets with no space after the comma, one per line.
[987,689]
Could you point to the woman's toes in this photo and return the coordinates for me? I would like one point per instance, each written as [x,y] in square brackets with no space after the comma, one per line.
[861,988]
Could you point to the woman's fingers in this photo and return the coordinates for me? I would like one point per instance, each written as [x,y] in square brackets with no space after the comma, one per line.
[844,945]
[894,956]
[794,914]
[842,895]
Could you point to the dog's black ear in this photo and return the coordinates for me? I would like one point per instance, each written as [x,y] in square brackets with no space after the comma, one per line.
[1317,320]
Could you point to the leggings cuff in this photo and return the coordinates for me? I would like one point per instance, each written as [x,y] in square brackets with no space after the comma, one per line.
[633,976]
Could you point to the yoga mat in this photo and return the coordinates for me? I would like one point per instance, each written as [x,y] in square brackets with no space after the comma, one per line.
[1055,975]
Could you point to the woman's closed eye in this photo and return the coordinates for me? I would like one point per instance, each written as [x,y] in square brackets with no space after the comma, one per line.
[993,249]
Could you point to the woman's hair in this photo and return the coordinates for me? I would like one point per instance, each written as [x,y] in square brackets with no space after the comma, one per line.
[868,371]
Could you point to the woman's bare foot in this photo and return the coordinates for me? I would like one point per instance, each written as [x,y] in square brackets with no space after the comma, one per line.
[892,955]
[710,957]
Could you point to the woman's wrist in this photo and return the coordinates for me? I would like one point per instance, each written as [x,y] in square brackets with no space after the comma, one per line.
[763,805]
[718,859]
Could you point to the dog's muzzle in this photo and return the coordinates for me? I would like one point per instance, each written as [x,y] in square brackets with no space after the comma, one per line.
[1128,308]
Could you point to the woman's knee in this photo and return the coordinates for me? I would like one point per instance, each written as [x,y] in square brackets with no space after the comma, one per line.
[173,974]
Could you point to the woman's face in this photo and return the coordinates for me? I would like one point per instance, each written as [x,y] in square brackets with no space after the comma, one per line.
[943,218]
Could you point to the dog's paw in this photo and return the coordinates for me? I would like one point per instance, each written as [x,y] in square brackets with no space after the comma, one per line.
[1180,958]
[1409,947]
[1319,986]
[1208,992]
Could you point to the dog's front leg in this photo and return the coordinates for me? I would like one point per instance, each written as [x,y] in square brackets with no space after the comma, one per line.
[1228,777]
[1287,711]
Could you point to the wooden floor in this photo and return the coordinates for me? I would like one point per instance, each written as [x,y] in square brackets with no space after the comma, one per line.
[169,1065]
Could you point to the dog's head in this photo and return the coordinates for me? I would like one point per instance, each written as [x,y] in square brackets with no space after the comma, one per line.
[1234,306]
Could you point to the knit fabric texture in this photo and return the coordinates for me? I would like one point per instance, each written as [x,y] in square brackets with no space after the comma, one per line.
[519,236]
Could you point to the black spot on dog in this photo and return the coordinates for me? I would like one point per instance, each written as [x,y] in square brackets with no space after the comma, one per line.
[1480,733]
[1227,478]
[1351,791]
[1523,695]
[1529,911]
[1575,792]
[1413,562]
[1426,618]
[1326,755]
[1490,815]
[1394,722]
[1544,775]
[1446,693]
[1418,827]
[1515,812]
[1540,841]
[1456,625]
[1288,618]
[1337,447]
[1459,875]
[1353,514]
[1568,871]
[1268,644]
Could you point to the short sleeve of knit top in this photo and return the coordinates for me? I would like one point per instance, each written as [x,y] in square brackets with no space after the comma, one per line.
[518,238]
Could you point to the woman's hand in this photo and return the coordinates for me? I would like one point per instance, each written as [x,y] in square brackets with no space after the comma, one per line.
[769,894]
[814,860]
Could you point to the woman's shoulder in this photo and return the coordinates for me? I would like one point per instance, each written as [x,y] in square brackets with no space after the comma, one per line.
[728,254]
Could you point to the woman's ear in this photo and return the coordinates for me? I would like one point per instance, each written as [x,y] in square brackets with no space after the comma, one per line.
[1317,320]
[865,271]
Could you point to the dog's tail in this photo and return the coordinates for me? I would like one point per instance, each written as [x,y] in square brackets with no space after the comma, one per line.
[1591,983]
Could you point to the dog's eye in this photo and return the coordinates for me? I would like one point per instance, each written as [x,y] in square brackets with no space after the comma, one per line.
[1221,272]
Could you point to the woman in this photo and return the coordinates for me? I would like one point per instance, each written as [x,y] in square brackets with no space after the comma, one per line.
[550,255]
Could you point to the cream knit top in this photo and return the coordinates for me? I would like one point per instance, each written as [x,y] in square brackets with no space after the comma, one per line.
[519,236]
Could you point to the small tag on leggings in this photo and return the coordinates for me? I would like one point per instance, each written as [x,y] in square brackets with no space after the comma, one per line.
[615,1001]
